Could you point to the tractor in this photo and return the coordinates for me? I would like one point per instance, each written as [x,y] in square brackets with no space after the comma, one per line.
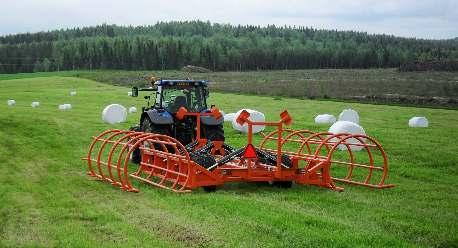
[179,110]
[179,145]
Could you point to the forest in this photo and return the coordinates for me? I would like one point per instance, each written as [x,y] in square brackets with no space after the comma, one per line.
[218,47]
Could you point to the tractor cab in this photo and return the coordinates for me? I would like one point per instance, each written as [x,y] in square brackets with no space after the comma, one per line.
[173,94]
[179,110]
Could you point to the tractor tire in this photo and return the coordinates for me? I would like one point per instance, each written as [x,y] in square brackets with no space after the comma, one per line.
[213,133]
[147,127]
[202,159]
[136,157]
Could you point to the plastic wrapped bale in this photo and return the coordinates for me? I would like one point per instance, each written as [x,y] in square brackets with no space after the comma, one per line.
[325,119]
[11,102]
[229,117]
[35,104]
[62,107]
[349,115]
[129,93]
[132,110]
[72,93]
[114,113]
[254,116]
[351,128]
[67,106]
[418,121]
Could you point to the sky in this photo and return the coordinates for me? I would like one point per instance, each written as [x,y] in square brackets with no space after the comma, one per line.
[429,19]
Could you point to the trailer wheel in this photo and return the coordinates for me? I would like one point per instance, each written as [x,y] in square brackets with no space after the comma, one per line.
[209,189]
[283,184]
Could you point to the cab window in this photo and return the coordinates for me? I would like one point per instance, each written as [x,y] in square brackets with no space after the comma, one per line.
[192,98]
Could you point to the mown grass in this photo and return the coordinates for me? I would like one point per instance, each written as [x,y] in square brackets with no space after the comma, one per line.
[47,200]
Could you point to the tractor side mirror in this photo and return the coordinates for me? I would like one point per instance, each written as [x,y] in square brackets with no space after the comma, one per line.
[134,91]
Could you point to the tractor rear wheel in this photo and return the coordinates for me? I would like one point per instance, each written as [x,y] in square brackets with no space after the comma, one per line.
[213,133]
[150,127]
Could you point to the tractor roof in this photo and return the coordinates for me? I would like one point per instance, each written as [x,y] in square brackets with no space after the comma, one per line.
[168,82]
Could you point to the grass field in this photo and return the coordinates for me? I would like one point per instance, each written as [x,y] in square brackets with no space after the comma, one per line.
[47,200]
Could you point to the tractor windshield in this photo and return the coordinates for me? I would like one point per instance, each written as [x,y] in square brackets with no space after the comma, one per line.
[192,98]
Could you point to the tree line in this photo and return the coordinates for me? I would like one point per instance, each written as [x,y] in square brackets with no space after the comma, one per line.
[172,45]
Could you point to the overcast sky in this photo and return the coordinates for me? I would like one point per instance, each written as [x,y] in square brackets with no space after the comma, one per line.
[432,19]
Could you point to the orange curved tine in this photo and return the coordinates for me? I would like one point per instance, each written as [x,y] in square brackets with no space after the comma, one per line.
[370,167]
[125,171]
[91,147]
[185,183]
[99,156]
[268,137]
[134,136]
[307,140]
[169,162]
[298,133]
[180,165]
[152,142]
[164,148]
[127,135]
[385,160]
[351,165]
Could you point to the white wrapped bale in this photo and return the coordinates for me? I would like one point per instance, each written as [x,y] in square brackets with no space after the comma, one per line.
[65,106]
[129,93]
[418,121]
[35,104]
[132,110]
[349,115]
[351,128]
[229,117]
[114,113]
[325,119]
[11,102]
[72,93]
[254,116]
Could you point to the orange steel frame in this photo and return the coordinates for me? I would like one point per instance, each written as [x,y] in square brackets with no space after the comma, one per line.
[166,163]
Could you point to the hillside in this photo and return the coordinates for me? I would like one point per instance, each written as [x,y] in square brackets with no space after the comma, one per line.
[219,47]
[47,200]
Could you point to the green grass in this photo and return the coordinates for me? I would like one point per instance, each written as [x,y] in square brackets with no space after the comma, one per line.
[47,200]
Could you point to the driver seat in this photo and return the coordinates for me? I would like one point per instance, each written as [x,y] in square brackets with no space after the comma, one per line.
[180,101]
